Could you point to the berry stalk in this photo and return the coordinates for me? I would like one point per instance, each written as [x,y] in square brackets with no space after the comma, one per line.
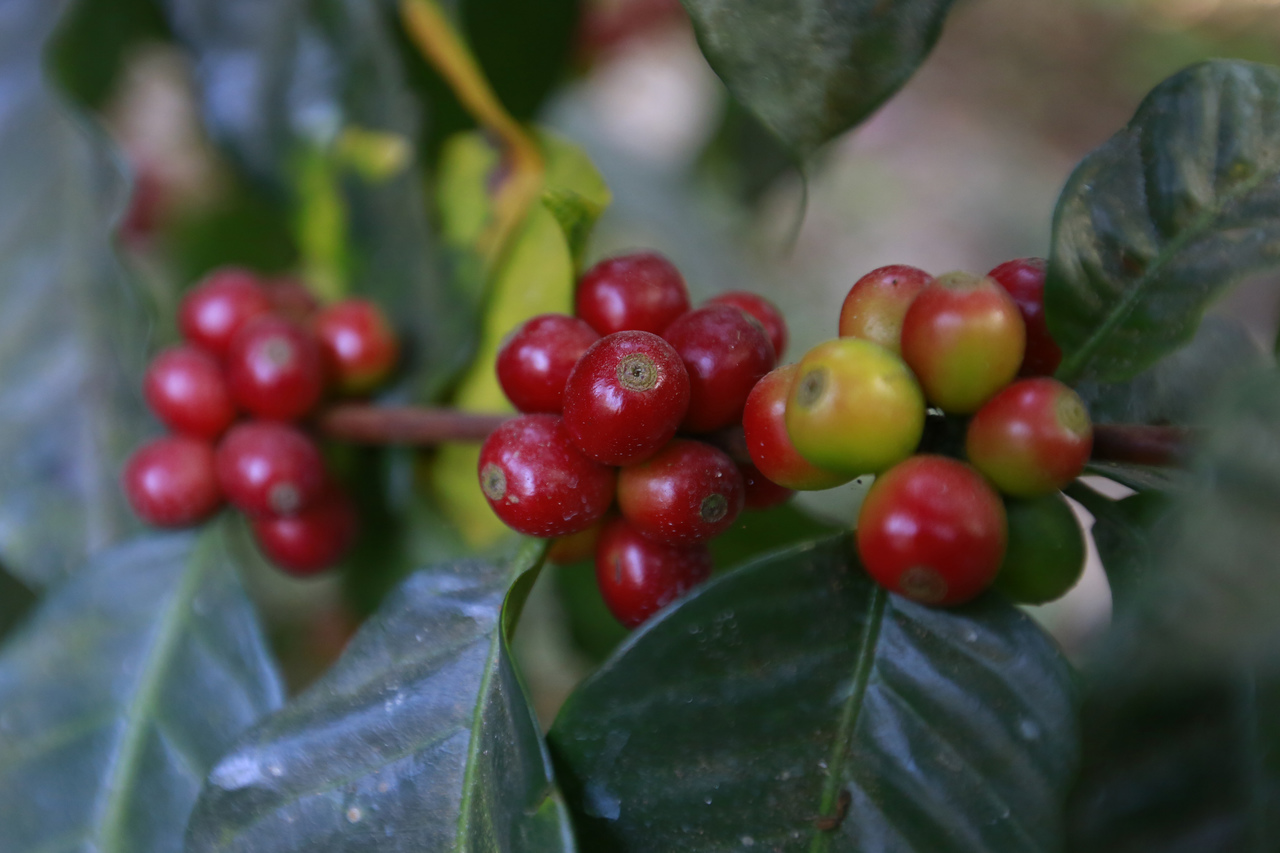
[362,423]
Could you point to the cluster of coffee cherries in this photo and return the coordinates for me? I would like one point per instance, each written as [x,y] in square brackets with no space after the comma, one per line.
[627,402]
[257,359]
[940,388]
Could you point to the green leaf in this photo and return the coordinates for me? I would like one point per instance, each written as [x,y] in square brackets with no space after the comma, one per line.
[121,691]
[1126,533]
[419,738]
[737,716]
[536,276]
[72,330]
[811,70]
[1163,218]
[282,83]
[1179,388]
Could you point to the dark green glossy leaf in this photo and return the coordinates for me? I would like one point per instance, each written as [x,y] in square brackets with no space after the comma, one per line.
[1163,218]
[72,330]
[735,719]
[812,69]
[1140,478]
[121,691]
[419,738]
[1180,388]
[286,86]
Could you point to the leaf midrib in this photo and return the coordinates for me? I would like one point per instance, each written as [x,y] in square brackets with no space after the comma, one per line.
[863,666]
[120,784]
[1073,366]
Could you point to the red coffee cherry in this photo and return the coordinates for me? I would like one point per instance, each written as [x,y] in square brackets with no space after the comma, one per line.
[931,529]
[877,303]
[213,311]
[535,362]
[268,468]
[170,482]
[762,493]
[685,493]
[359,345]
[314,539]
[725,354]
[538,482]
[626,397]
[275,369]
[641,292]
[764,424]
[1024,280]
[638,576]
[963,337]
[775,326]
[1033,438]
[185,387]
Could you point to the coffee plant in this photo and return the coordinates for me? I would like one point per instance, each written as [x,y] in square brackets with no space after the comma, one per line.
[392,359]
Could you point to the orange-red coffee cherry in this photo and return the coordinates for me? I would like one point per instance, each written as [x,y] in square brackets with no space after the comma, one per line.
[535,362]
[1032,438]
[725,354]
[764,311]
[275,369]
[877,303]
[765,427]
[213,311]
[762,493]
[638,292]
[854,408]
[359,345]
[688,492]
[638,576]
[185,387]
[964,338]
[625,397]
[538,482]
[933,530]
[314,539]
[291,299]
[576,547]
[1024,280]
[268,468]
[170,482]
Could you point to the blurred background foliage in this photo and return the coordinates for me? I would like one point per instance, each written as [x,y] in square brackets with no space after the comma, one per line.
[959,171]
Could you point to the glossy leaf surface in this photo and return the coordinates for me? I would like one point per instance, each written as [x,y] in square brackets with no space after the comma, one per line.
[1163,218]
[72,329]
[419,738]
[736,718]
[121,691]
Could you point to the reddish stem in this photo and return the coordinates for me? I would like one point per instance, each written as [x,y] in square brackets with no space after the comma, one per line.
[424,425]
[410,425]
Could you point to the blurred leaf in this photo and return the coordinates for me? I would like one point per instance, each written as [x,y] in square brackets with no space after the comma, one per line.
[121,691]
[1217,596]
[1179,388]
[1140,478]
[811,70]
[94,41]
[736,718]
[1125,532]
[72,330]
[1162,219]
[419,738]
[523,48]
[281,82]
[16,601]
[535,276]
[1186,766]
